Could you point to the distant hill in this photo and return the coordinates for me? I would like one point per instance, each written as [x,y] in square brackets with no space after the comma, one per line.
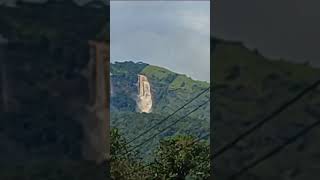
[37,21]
[247,88]
[170,91]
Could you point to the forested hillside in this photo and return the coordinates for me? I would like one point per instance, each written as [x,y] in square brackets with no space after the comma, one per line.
[247,88]
[170,91]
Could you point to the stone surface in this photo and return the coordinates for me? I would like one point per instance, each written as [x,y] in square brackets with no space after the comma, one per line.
[144,101]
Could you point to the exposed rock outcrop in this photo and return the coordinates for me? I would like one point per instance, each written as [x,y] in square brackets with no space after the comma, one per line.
[144,101]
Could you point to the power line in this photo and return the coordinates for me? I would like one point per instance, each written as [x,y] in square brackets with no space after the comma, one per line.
[276,150]
[201,138]
[192,143]
[268,118]
[165,119]
[169,126]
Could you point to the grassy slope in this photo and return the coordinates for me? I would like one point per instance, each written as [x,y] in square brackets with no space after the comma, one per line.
[246,78]
[170,91]
[254,67]
[248,87]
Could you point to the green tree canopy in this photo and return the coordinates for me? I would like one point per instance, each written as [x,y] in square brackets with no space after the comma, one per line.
[182,157]
[178,157]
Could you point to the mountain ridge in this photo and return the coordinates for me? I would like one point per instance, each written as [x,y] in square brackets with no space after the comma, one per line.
[169,90]
[247,88]
[165,84]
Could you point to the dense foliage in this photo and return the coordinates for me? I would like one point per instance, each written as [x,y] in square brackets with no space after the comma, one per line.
[130,124]
[169,90]
[124,164]
[179,157]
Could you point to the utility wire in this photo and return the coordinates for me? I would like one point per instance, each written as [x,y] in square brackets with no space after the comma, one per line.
[169,126]
[258,125]
[165,119]
[276,150]
[192,143]
[268,118]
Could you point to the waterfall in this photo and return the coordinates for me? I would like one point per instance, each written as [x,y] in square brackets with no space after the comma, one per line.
[144,101]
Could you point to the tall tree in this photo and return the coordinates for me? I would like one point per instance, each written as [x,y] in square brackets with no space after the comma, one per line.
[124,164]
[181,157]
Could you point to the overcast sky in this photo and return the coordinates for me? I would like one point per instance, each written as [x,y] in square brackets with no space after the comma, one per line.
[174,35]
[278,28]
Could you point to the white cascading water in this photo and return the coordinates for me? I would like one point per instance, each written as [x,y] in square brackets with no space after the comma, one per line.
[111,86]
[144,101]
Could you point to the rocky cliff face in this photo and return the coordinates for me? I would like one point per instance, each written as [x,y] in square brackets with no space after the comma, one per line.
[140,87]
[124,87]
[144,101]
[156,91]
